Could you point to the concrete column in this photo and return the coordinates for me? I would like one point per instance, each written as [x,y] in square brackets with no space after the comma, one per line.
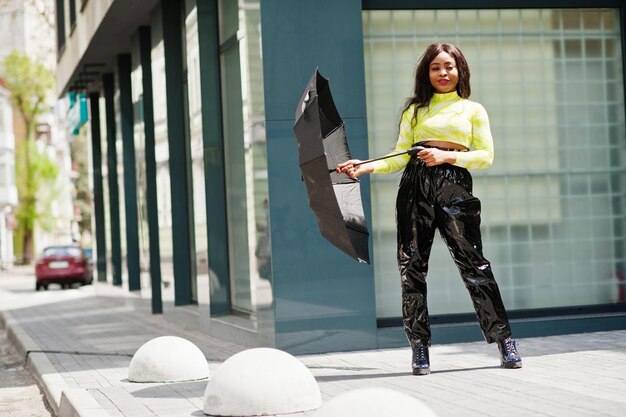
[151,171]
[108,84]
[182,203]
[130,177]
[98,200]
[214,179]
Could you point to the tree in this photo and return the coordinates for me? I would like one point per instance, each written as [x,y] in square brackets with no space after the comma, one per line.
[31,87]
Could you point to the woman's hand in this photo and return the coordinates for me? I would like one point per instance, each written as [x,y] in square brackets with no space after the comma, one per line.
[352,171]
[434,156]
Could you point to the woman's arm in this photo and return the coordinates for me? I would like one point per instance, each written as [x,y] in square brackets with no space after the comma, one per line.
[481,156]
[392,164]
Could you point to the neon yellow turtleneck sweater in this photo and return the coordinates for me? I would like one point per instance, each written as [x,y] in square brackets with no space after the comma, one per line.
[447,118]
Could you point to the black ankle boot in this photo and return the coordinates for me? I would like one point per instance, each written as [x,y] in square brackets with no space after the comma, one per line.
[421,361]
[509,357]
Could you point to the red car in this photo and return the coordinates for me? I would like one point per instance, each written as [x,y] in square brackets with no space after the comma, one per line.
[63,265]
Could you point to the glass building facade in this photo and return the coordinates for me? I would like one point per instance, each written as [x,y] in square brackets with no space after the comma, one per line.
[244,157]
[553,201]
[226,240]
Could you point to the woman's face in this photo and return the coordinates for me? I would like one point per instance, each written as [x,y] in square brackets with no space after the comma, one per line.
[443,73]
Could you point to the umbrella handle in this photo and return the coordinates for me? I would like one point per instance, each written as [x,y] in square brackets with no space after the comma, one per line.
[411,151]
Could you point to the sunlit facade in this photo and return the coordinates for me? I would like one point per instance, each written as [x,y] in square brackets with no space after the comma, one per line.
[8,190]
[199,206]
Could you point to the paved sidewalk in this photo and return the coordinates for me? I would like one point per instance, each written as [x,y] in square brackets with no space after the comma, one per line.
[90,334]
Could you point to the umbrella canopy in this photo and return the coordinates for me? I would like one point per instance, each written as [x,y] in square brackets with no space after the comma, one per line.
[334,198]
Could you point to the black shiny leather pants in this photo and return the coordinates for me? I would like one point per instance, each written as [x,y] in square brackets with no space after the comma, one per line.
[440,197]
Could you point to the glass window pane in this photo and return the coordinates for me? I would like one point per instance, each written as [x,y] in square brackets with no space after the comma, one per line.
[161,154]
[201,288]
[246,160]
[552,82]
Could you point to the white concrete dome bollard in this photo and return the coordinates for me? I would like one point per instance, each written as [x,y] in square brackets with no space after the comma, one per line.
[168,359]
[261,381]
[374,402]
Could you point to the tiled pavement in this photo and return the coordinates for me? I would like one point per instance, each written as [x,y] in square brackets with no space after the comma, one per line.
[90,334]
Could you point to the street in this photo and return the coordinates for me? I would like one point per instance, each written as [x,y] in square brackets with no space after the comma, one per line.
[20,396]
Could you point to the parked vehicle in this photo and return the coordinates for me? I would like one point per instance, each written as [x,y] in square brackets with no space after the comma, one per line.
[63,265]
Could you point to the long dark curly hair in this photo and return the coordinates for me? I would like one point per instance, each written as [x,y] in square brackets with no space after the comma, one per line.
[424,90]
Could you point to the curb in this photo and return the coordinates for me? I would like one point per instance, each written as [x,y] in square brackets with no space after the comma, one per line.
[65,401]
[77,402]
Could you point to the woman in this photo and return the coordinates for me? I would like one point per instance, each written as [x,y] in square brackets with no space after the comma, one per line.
[435,192]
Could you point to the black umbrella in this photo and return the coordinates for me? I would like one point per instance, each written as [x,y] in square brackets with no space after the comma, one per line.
[334,198]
